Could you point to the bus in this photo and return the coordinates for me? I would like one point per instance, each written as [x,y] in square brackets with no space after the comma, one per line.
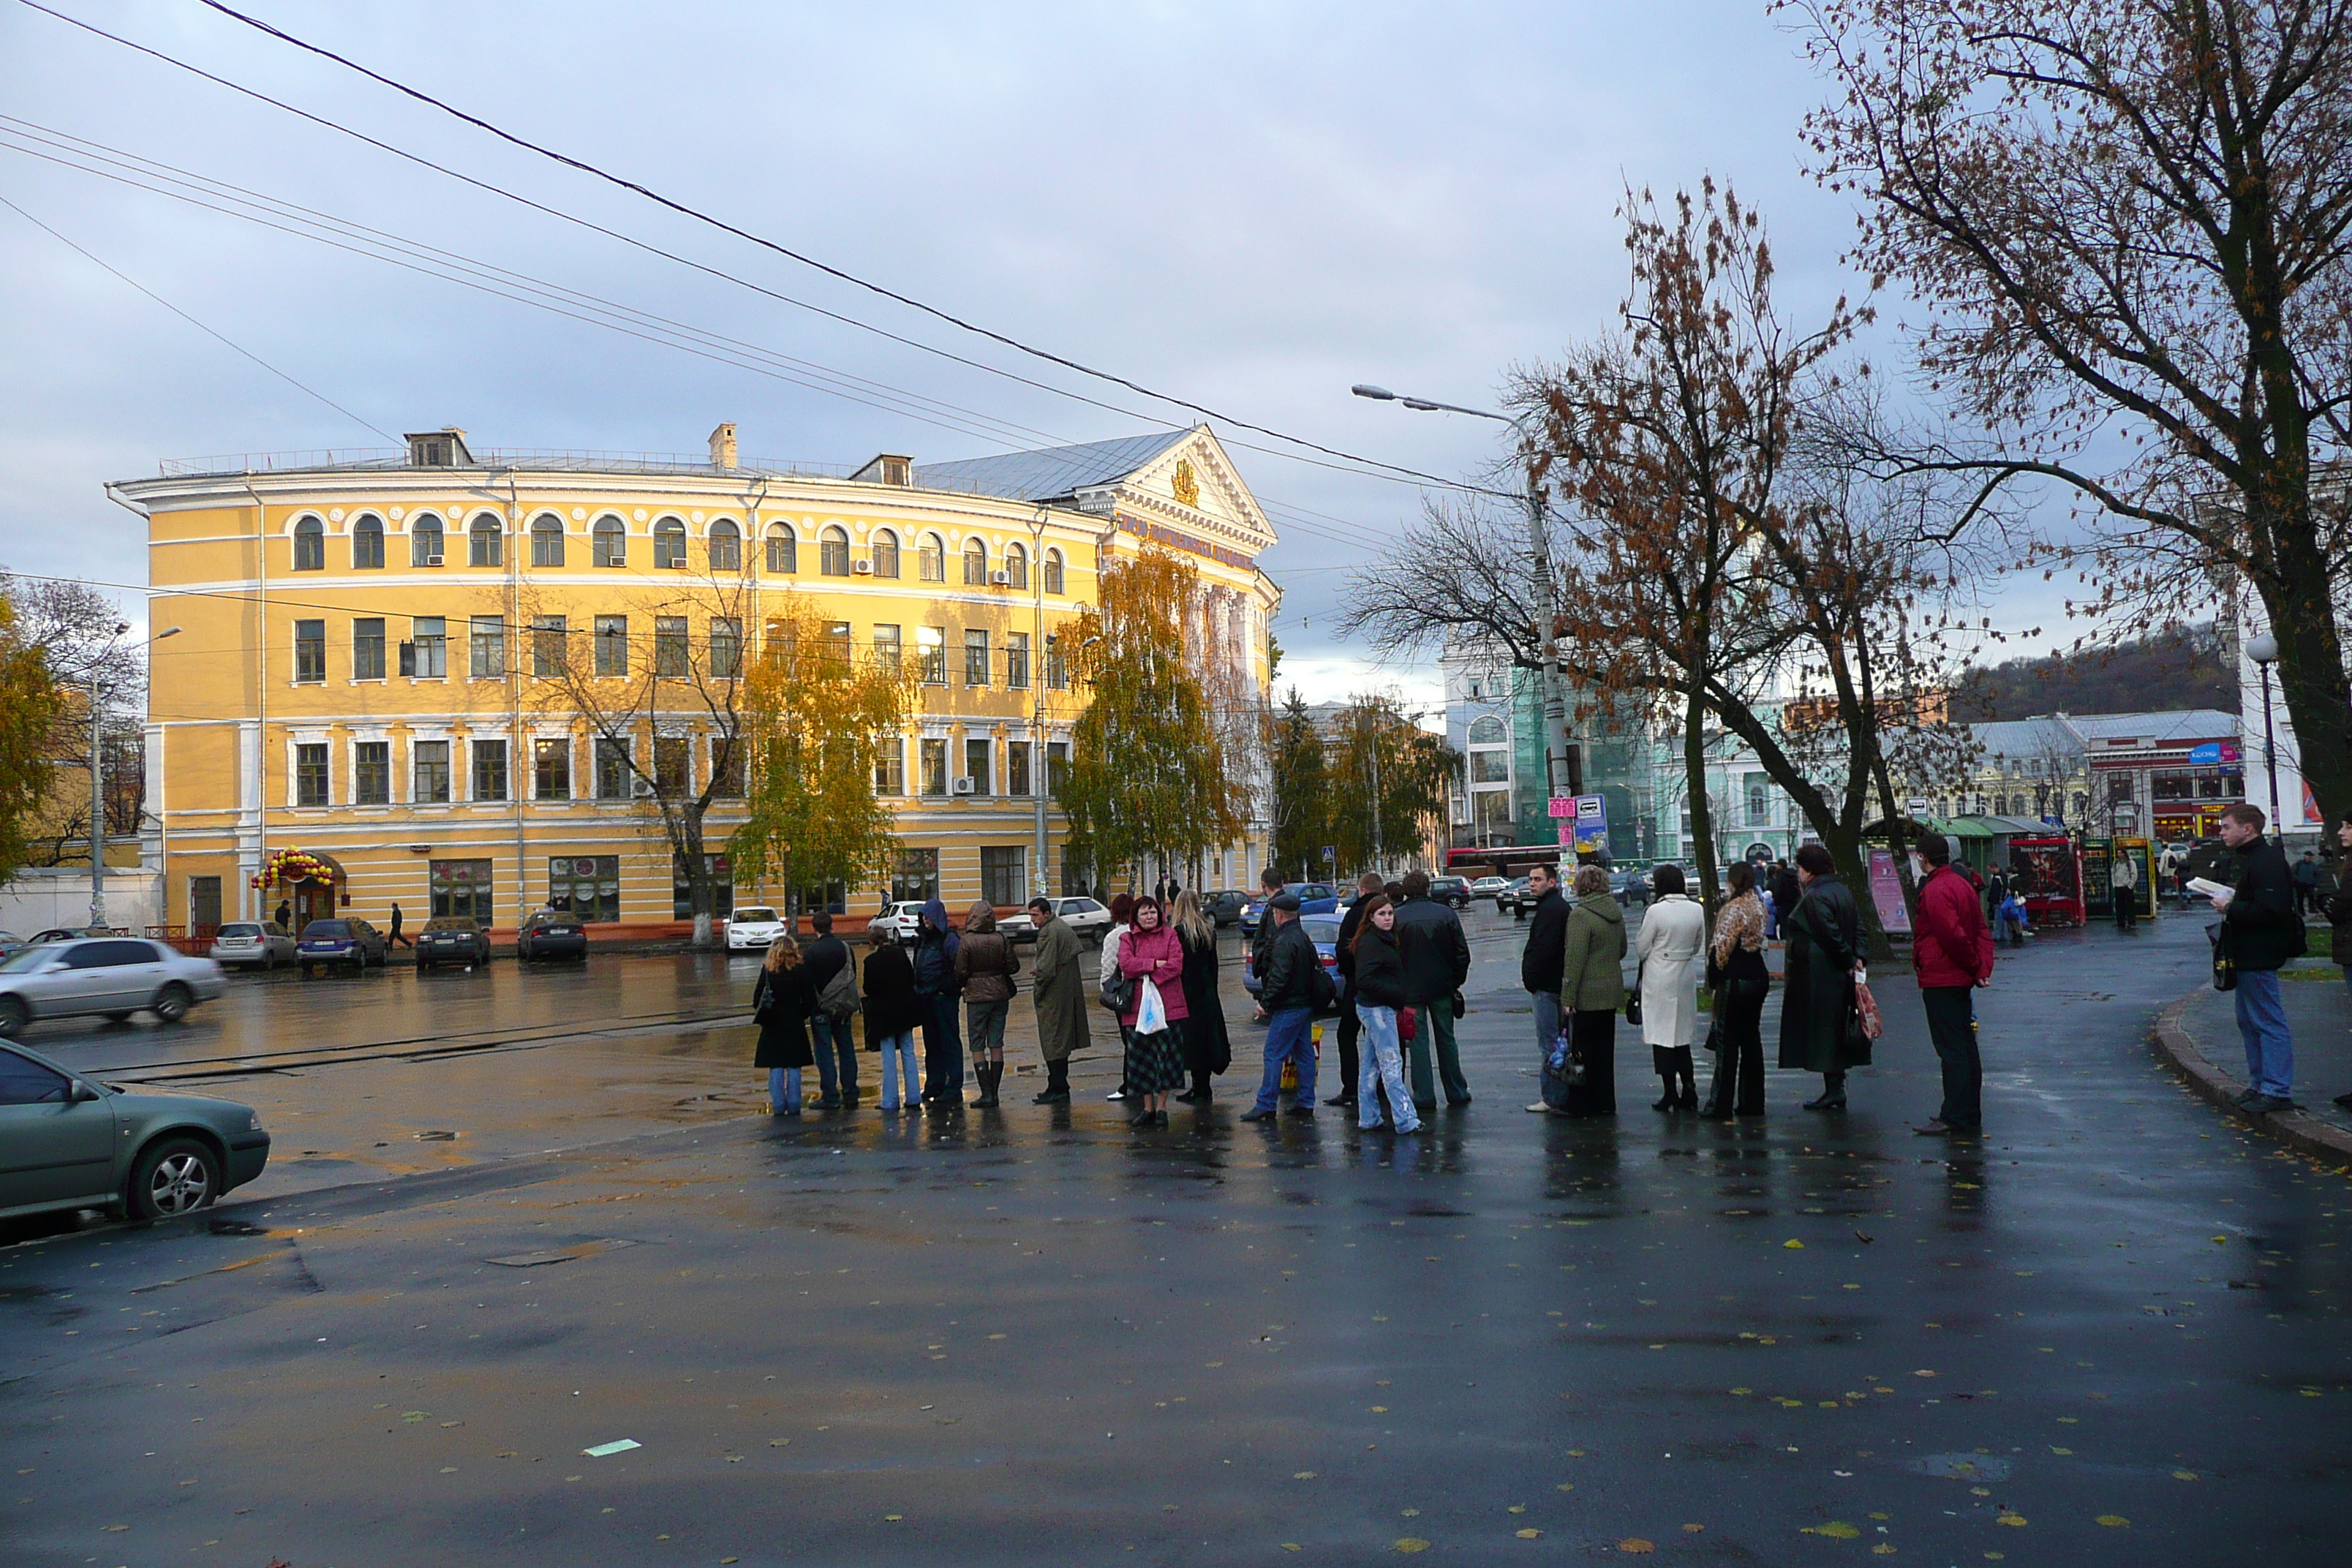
[1512,860]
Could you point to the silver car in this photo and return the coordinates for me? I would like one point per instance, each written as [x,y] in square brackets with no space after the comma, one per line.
[109,976]
[67,1142]
[263,944]
[1087,919]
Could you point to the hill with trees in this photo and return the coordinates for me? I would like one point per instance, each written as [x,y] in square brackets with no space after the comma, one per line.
[2162,674]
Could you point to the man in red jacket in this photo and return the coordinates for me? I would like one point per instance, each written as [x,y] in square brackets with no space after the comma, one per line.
[1953,955]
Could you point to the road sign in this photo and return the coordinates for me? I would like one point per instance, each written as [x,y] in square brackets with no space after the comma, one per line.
[1563,806]
[1588,830]
[1330,852]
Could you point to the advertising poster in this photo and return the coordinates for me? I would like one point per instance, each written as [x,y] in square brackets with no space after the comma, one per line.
[1887,892]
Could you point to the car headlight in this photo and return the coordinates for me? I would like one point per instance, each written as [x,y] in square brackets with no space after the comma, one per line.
[252,1122]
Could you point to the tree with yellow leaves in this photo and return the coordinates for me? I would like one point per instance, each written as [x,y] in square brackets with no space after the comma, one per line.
[29,715]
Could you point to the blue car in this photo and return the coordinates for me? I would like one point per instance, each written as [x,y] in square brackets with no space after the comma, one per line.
[1314,898]
[351,944]
[1323,930]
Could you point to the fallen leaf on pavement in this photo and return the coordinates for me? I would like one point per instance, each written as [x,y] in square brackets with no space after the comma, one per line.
[2115,1522]
[1794,1245]
[2013,1519]
[1529,1534]
[1413,1544]
[1636,1545]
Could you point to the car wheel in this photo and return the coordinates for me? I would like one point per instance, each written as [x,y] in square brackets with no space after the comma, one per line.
[173,1002]
[177,1176]
[423,967]
[14,1017]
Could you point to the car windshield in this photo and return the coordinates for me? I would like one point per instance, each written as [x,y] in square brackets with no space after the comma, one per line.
[551,918]
[326,931]
[240,931]
[30,958]
[754,917]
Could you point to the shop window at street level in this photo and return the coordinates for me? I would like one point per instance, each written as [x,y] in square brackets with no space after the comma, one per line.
[917,878]
[547,541]
[885,553]
[726,547]
[425,540]
[587,885]
[309,650]
[310,773]
[310,545]
[975,564]
[783,549]
[486,543]
[372,773]
[613,647]
[611,543]
[367,544]
[722,886]
[932,560]
[613,772]
[489,770]
[669,545]
[431,765]
[460,888]
[833,553]
[367,649]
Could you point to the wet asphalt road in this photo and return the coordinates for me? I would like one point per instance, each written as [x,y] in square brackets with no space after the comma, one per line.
[2114,1333]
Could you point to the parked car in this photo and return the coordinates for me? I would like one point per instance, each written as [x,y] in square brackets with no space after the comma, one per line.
[74,1143]
[1629,887]
[1489,888]
[351,943]
[1017,925]
[67,933]
[1452,892]
[1314,898]
[109,977]
[1225,908]
[10,942]
[1516,901]
[262,944]
[551,933]
[894,922]
[1088,919]
[752,928]
[451,939]
[1323,930]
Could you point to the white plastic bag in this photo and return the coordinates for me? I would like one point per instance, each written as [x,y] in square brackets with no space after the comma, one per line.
[1151,1013]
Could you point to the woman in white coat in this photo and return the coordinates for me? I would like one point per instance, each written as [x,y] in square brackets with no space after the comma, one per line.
[1671,948]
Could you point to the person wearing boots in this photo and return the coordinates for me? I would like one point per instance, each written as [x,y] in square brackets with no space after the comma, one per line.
[1208,1049]
[1153,959]
[1351,1024]
[1672,941]
[1059,991]
[985,966]
[1824,934]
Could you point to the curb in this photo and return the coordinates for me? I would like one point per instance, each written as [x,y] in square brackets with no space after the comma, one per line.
[2297,1130]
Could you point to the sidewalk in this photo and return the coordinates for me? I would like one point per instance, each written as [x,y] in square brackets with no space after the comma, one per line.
[2199,1034]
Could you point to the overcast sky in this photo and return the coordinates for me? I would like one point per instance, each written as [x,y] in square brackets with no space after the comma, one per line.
[1248,206]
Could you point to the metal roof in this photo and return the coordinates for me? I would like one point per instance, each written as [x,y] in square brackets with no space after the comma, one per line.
[1050,474]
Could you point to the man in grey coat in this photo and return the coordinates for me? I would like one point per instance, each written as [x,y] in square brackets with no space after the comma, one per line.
[1060,993]
[1436,961]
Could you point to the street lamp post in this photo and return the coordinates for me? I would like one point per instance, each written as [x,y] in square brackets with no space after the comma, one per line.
[2263,649]
[1560,770]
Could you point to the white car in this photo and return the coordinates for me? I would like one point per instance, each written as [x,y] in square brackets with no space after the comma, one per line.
[895,922]
[752,928]
[112,977]
[263,944]
[1087,919]
[1490,886]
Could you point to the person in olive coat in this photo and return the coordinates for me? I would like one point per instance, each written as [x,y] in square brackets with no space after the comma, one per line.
[1591,990]
[1817,1001]
[985,966]
[781,1000]
[1060,995]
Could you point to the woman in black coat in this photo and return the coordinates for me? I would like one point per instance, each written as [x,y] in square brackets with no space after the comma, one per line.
[782,1000]
[1208,1050]
[1817,999]
[893,1012]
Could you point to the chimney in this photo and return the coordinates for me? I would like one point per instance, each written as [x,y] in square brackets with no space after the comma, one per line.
[722,447]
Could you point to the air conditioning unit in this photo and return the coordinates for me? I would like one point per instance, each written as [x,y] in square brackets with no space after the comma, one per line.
[965,786]
[862,568]
[1000,579]
[640,789]
[433,560]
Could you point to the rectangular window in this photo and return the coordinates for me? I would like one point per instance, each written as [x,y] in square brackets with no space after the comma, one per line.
[1058,666]
[203,905]
[613,647]
[611,770]
[310,773]
[917,878]
[1057,765]
[372,773]
[1759,800]
[672,659]
[726,548]
[890,767]
[460,888]
[431,760]
[309,650]
[726,647]
[548,654]
[1016,659]
[886,647]
[1016,767]
[1490,767]
[588,886]
[611,546]
[932,654]
[727,756]
[551,770]
[979,765]
[975,657]
[673,765]
[425,655]
[1002,869]
[935,766]
[836,644]
[547,542]
[367,649]
[489,640]
[489,770]
[681,893]
[485,544]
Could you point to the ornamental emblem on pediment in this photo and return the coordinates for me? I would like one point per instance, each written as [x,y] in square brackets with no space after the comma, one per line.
[1186,484]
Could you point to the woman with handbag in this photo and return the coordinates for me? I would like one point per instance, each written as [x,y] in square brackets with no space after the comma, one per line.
[985,964]
[1591,989]
[1672,941]
[1380,995]
[1122,920]
[1819,1031]
[782,1000]
[1153,959]
[1739,979]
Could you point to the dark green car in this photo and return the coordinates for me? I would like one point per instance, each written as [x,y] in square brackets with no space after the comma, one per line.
[67,1142]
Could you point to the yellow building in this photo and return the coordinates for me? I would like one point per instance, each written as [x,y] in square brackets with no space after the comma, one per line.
[360,673]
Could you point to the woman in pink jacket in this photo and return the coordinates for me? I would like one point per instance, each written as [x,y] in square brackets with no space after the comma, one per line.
[1152,956]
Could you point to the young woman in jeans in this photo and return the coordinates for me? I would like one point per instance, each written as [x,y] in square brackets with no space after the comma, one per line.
[781,1000]
[1379,992]
[893,1011]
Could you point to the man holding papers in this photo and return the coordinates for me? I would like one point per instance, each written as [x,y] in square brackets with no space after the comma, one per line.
[2262,932]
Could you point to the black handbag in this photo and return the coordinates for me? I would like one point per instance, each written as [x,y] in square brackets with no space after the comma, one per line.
[2225,962]
[1460,1006]
[1119,991]
[1633,997]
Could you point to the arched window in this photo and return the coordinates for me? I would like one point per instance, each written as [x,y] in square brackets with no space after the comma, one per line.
[833,553]
[932,562]
[367,544]
[547,540]
[783,549]
[486,545]
[669,545]
[310,545]
[610,542]
[886,554]
[975,564]
[425,540]
[1016,566]
[1053,572]
[726,547]
[1487,730]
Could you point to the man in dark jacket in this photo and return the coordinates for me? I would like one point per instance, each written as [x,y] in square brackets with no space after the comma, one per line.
[1436,961]
[1270,888]
[936,944]
[824,958]
[2262,932]
[1286,991]
[1539,961]
[1351,1026]
[1786,889]
[1952,954]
